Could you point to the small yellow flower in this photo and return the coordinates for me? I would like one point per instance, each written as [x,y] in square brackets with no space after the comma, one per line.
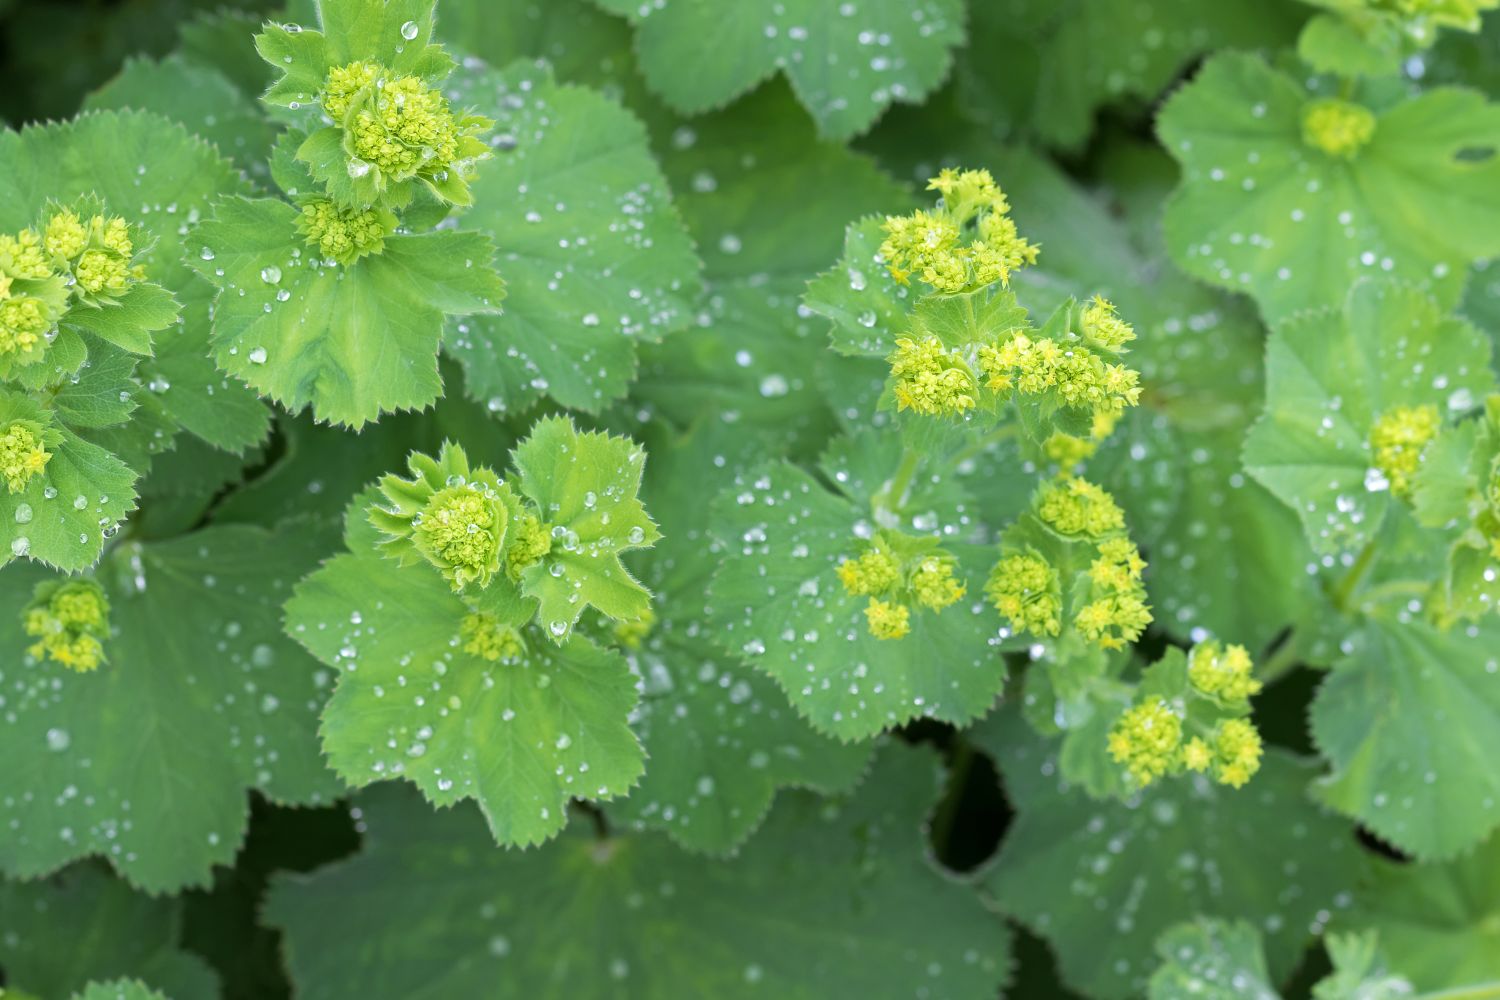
[1338,128]
[22,455]
[1196,755]
[65,235]
[934,585]
[529,542]
[343,234]
[68,620]
[101,271]
[931,244]
[343,83]
[887,620]
[1398,440]
[462,529]
[22,256]
[1103,327]
[1147,739]
[485,637]
[1237,753]
[931,379]
[24,321]
[1075,506]
[875,571]
[1026,589]
[1223,672]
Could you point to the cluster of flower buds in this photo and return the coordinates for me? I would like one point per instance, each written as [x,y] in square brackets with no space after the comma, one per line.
[69,619]
[897,573]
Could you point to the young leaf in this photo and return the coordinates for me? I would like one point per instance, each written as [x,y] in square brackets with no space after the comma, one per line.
[1211,960]
[1264,211]
[584,485]
[1332,379]
[82,924]
[594,254]
[1409,723]
[847,66]
[794,916]
[777,600]
[351,341]
[199,684]
[1101,880]
[521,734]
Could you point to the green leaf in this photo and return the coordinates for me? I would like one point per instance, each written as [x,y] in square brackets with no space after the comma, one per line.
[202,699]
[350,341]
[720,736]
[869,309]
[197,95]
[593,251]
[1411,722]
[581,42]
[830,899]
[1359,971]
[103,394]
[120,989]
[778,602]
[1329,378]
[1263,213]
[1101,880]
[846,65]
[1437,921]
[520,737]
[1212,960]
[129,323]
[584,485]
[80,925]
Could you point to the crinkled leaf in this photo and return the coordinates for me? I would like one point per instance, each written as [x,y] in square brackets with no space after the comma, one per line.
[83,924]
[777,601]
[1101,880]
[595,256]
[830,899]
[350,341]
[1437,921]
[202,699]
[1262,213]
[1411,722]
[584,485]
[720,736]
[521,738]
[1330,376]
[846,63]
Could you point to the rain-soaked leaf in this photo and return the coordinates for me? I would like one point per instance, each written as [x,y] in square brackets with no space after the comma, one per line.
[846,62]
[1100,880]
[830,898]
[147,759]
[1262,211]
[594,254]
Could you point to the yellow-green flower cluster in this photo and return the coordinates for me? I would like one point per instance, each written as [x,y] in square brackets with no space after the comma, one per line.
[1103,327]
[1398,440]
[1339,128]
[1462,14]
[344,234]
[529,543]
[1234,754]
[1119,613]
[1147,740]
[631,634]
[462,529]
[969,241]
[486,637]
[1222,672]
[1068,451]
[97,252]
[931,379]
[344,83]
[69,620]
[1071,371]
[23,454]
[1074,506]
[894,584]
[27,311]
[1026,589]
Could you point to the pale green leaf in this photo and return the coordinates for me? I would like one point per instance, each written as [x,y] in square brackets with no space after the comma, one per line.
[1261,212]
[584,485]
[1101,880]
[1330,376]
[1212,960]
[82,924]
[594,254]
[350,341]
[103,394]
[831,899]
[520,737]
[1411,723]
[201,700]
[129,323]
[847,63]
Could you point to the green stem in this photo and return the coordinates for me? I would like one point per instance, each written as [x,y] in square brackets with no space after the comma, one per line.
[958,774]
[1478,991]
[893,497]
[1343,593]
[995,436]
[1287,656]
